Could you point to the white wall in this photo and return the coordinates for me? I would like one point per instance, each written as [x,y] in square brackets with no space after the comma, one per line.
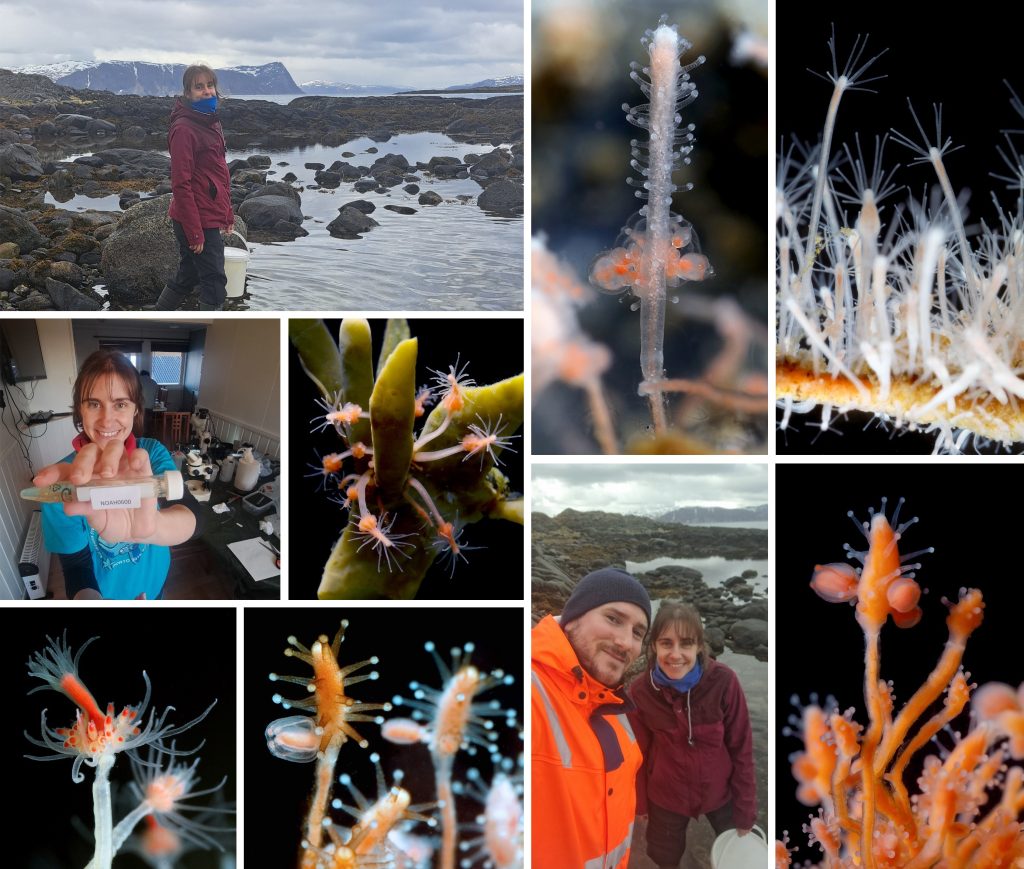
[241,380]
[49,443]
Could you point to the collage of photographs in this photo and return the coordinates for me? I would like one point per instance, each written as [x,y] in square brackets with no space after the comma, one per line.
[394,473]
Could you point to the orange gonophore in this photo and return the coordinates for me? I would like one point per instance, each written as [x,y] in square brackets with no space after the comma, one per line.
[867,817]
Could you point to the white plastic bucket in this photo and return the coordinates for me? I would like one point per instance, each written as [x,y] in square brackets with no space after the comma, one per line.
[733,851]
[235,260]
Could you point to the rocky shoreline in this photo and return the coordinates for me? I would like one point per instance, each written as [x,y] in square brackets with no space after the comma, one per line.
[52,258]
[567,547]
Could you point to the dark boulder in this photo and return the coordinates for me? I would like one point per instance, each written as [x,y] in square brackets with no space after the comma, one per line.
[350,222]
[494,163]
[277,188]
[66,298]
[75,124]
[501,196]
[362,205]
[265,211]
[748,634]
[400,209]
[328,178]
[429,197]
[133,135]
[16,228]
[20,162]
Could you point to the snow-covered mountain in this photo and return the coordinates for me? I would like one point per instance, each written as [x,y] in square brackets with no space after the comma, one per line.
[162,79]
[703,515]
[341,89]
[501,82]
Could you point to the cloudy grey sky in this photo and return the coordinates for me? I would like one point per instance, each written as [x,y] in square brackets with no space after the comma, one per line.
[392,42]
[647,488]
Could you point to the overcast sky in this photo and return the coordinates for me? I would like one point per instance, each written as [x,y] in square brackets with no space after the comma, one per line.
[646,488]
[392,42]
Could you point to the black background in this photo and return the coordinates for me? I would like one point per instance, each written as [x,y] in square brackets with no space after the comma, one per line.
[959,62]
[494,351]
[278,791]
[819,646]
[189,657]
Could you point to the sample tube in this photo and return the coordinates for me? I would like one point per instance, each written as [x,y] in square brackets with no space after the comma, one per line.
[126,492]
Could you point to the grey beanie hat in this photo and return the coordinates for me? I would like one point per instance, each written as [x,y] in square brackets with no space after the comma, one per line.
[607,585]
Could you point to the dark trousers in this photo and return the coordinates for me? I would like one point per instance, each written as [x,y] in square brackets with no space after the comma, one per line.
[204,269]
[666,832]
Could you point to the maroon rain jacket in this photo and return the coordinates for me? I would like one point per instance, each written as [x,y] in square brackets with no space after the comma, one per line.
[695,779]
[199,173]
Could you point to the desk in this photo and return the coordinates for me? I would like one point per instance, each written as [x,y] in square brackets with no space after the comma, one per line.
[220,529]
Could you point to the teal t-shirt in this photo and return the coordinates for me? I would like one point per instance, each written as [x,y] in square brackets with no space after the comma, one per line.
[123,570]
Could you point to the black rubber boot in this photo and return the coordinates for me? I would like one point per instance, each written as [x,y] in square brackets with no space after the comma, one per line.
[170,300]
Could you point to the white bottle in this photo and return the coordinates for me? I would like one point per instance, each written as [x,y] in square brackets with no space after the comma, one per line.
[247,472]
[227,469]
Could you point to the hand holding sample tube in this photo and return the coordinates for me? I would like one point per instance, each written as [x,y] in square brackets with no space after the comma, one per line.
[102,478]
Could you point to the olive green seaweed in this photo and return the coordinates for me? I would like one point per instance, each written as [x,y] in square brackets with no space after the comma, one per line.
[460,489]
[318,354]
[392,415]
[395,333]
[355,346]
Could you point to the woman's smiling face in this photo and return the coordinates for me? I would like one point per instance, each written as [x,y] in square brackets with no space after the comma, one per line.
[108,412]
[676,654]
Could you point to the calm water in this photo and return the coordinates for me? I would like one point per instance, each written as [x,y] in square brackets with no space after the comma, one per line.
[714,571]
[450,256]
[284,99]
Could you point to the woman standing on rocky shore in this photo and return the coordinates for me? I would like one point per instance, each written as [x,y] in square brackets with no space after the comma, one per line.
[201,184]
[692,724]
[113,553]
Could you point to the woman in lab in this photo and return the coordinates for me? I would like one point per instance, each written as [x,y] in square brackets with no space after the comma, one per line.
[117,553]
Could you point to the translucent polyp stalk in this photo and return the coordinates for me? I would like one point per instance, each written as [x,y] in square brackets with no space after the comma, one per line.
[664,52]
[103,817]
[443,780]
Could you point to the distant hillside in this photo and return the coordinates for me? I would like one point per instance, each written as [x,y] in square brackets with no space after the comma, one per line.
[163,79]
[714,515]
[341,89]
[503,81]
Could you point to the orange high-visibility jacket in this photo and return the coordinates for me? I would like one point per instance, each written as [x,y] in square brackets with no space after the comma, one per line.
[584,762]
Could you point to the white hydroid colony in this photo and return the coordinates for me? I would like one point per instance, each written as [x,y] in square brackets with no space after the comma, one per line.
[907,320]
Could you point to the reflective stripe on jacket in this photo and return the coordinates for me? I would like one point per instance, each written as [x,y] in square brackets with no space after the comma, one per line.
[584,762]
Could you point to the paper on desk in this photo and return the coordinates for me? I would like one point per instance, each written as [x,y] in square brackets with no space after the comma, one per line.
[221,508]
[255,558]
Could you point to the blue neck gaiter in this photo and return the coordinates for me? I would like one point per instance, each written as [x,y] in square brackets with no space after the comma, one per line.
[681,685]
[207,106]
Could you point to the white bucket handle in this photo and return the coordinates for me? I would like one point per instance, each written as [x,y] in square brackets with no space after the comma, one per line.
[245,244]
[715,857]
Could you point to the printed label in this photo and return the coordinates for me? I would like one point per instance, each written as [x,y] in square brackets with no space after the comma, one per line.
[114,497]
